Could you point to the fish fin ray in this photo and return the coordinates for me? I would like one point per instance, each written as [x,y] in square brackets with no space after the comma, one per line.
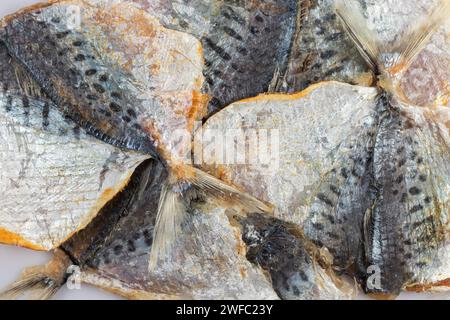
[355,25]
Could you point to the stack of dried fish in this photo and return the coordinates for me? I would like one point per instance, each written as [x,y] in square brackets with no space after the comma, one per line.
[101,101]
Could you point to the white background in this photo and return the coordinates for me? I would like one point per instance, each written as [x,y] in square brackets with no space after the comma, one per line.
[13,260]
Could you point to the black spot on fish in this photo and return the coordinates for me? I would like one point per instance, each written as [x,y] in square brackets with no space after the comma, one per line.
[259,18]
[232,15]
[318,226]
[26,109]
[103,78]
[420,160]
[217,49]
[254,30]
[137,126]
[423,177]
[116,95]
[45,114]
[322,197]
[91,97]
[243,51]
[80,57]
[131,246]
[232,33]
[335,190]
[126,118]
[395,192]
[77,43]
[414,191]
[63,34]
[115,107]
[8,106]
[131,113]
[403,198]
[90,72]
[303,275]
[99,88]
[118,249]
[427,199]
[416,208]
[421,264]
[344,173]
[399,179]
[55,20]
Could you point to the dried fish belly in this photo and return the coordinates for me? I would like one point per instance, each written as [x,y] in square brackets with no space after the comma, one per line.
[54,178]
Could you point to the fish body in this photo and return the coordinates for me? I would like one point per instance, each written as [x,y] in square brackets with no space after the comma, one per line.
[322,50]
[54,177]
[129,82]
[213,265]
[246,44]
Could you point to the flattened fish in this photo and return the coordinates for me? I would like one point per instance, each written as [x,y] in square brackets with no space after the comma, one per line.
[246,43]
[54,178]
[113,253]
[322,51]
[127,80]
[370,182]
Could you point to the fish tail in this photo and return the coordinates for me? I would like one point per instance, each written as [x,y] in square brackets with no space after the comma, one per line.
[355,25]
[403,52]
[40,282]
[176,197]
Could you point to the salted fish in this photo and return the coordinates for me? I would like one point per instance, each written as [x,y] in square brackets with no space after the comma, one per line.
[362,171]
[54,178]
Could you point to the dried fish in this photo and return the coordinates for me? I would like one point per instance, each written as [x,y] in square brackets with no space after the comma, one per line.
[131,83]
[54,178]
[113,253]
[370,183]
[322,51]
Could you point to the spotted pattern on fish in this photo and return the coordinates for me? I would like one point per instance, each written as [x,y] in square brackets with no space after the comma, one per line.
[245,43]
[322,51]
[290,259]
[406,227]
[73,74]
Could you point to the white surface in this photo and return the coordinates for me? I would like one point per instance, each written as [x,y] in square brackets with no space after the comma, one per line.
[13,260]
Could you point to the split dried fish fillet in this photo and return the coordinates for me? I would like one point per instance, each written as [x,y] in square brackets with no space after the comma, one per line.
[378,197]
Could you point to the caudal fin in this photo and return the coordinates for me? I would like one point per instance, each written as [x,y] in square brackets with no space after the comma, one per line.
[384,58]
[176,198]
[40,282]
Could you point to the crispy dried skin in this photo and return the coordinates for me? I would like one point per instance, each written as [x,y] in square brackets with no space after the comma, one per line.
[131,85]
[114,250]
[369,183]
[246,43]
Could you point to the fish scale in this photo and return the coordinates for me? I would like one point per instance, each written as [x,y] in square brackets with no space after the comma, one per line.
[246,43]
[63,64]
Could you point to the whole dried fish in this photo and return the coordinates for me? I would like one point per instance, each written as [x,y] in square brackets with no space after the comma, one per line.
[369,183]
